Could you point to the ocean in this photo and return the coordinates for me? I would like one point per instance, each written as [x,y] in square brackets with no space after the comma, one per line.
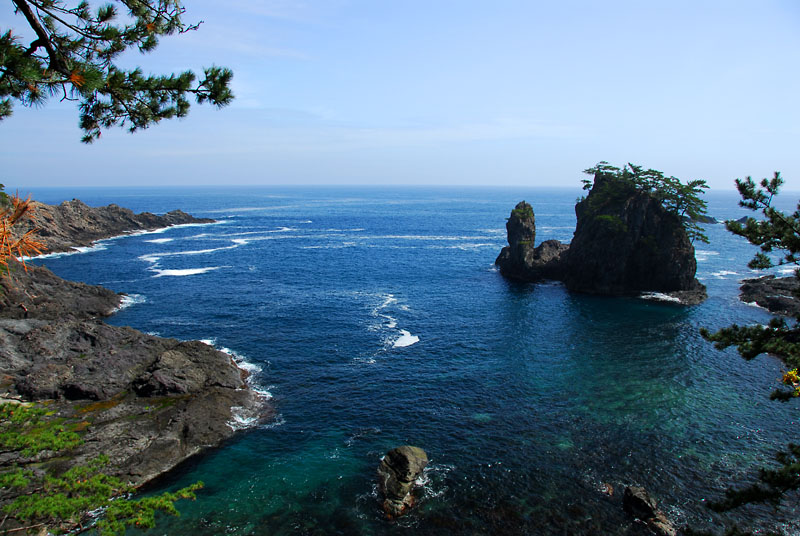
[374,317]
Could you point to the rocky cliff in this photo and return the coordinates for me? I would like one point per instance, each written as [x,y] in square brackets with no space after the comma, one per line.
[145,401]
[625,243]
[74,223]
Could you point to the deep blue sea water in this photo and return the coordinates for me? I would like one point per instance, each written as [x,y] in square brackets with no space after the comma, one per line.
[375,318]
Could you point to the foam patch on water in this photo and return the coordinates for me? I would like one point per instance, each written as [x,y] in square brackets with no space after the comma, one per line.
[659,296]
[722,273]
[702,255]
[184,272]
[159,240]
[128,300]
[787,271]
[405,339]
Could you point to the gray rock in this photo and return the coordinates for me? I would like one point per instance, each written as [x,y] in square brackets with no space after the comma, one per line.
[147,402]
[396,475]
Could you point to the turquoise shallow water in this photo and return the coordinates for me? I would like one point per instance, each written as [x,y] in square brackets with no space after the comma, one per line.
[376,318]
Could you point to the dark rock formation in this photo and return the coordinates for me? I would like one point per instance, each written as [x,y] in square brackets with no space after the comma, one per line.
[396,475]
[520,259]
[625,243]
[147,402]
[638,503]
[779,295]
[74,223]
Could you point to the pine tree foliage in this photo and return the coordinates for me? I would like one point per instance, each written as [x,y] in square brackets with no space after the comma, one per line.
[73,499]
[778,236]
[73,54]
[678,198]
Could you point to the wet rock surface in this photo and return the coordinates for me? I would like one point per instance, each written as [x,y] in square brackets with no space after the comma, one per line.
[396,475]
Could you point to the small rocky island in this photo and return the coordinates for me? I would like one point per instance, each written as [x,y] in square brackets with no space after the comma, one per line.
[75,224]
[146,402]
[625,243]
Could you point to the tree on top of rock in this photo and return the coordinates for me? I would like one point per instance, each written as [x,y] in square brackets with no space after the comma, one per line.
[680,199]
[72,57]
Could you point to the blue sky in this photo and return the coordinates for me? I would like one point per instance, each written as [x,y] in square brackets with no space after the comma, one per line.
[449,93]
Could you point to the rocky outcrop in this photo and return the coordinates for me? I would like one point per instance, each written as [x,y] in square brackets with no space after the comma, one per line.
[520,259]
[625,243]
[779,295]
[638,503]
[147,402]
[396,475]
[74,223]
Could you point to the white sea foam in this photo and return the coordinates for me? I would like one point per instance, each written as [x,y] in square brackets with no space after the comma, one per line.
[209,342]
[159,240]
[787,271]
[184,272]
[703,254]
[130,299]
[722,273]
[659,296]
[405,339]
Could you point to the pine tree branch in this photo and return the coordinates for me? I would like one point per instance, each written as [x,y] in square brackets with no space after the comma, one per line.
[56,62]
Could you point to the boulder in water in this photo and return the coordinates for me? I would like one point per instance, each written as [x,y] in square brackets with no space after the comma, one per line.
[638,503]
[396,475]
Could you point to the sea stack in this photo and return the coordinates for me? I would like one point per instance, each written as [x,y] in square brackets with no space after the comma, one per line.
[627,243]
[520,259]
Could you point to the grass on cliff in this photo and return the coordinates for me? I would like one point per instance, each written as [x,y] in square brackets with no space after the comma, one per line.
[81,497]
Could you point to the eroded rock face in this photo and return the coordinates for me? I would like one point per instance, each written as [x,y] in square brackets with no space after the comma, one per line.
[74,223]
[520,259]
[626,243]
[396,475]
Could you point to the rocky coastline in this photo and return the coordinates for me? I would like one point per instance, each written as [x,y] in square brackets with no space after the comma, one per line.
[625,244]
[74,224]
[778,295]
[146,402]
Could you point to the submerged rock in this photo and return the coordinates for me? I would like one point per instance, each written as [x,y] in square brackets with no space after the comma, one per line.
[520,259]
[779,295]
[638,503]
[396,475]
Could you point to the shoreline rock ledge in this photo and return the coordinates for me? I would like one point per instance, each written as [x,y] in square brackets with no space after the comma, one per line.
[146,402]
[74,223]
[625,244]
